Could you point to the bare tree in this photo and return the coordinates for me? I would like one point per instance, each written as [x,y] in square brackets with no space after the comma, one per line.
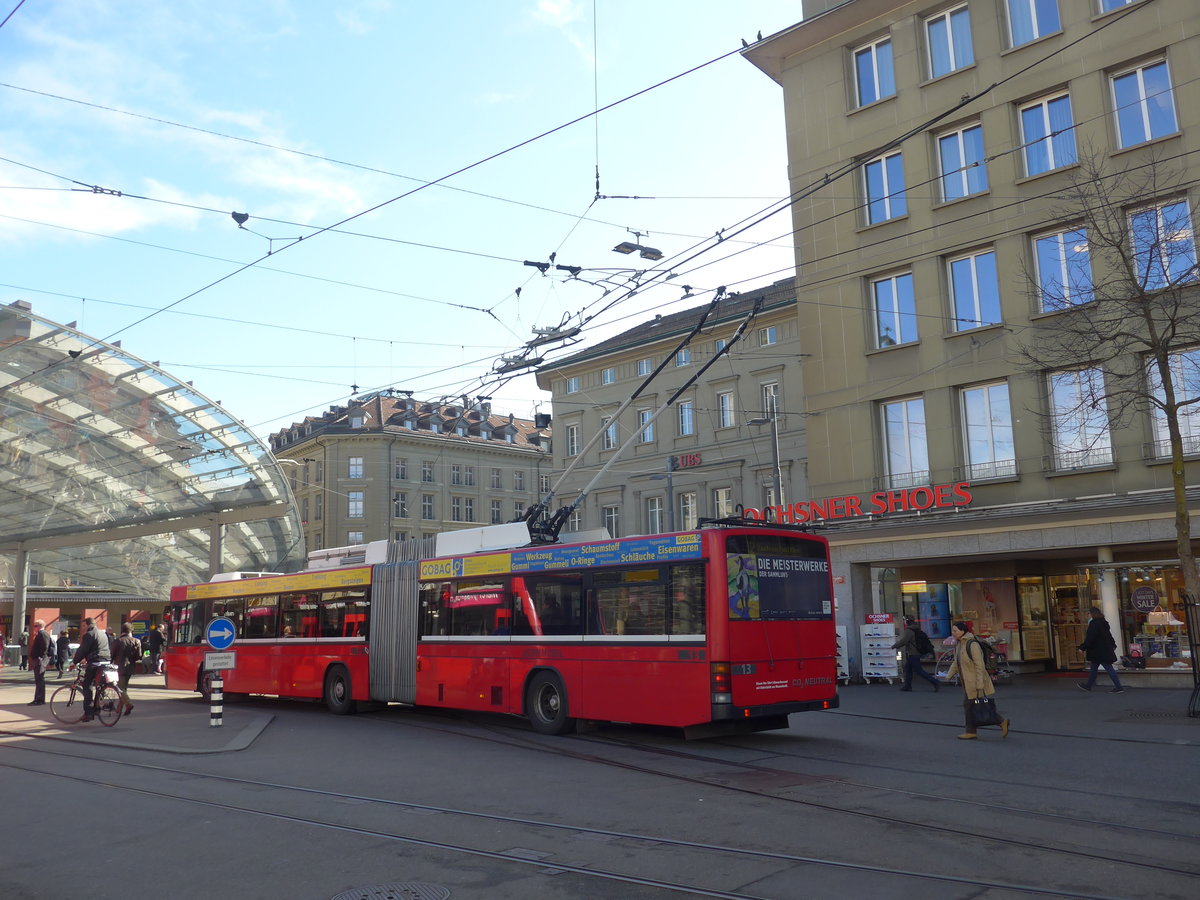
[1120,270]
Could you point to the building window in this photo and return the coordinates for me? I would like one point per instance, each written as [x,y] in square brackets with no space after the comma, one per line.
[427,506]
[320,468]
[683,357]
[948,37]
[400,505]
[497,479]
[1079,419]
[304,510]
[354,467]
[646,426]
[354,504]
[518,510]
[975,290]
[497,512]
[318,507]
[655,522]
[573,384]
[356,420]
[906,447]
[767,336]
[645,366]
[1048,134]
[468,509]
[1164,246]
[722,499]
[725,418]
[400,535]
[427,471]
[1029,20]
[608,440]
[1144,104]
[608,376]
[401,469]
[518,480]
[883,181]
[687,418]
[988,434]
[719,345]
[575,521]
[1110,5]
[895,310]
[469,476]
[318,541]
[456,474]
[612,520]
[354,538]
[688,514]
[1185,378]
[456,509]
[572,440]
[874,76]
[1064,269]
[962,167]
[770,398]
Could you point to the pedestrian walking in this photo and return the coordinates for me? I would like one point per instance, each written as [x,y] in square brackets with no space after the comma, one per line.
[1100,648]
[39,659]
[155,642]
[24,650]
[64,650]
[914,644]
[127,650]
[970,665]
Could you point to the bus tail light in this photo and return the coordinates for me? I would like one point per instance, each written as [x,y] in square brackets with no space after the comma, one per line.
[721,684]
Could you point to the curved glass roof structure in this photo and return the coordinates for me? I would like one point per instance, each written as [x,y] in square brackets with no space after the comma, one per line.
[114,474]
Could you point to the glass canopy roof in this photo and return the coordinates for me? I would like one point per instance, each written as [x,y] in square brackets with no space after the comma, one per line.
[114,474]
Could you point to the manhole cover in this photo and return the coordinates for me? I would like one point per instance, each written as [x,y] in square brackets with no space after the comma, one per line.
[397,890]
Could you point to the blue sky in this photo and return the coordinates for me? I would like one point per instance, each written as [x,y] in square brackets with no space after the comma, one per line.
[304,114]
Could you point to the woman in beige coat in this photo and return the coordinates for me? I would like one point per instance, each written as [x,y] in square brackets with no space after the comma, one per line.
[971,667]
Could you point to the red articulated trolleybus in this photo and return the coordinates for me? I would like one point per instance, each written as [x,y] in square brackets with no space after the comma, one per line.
[729,625]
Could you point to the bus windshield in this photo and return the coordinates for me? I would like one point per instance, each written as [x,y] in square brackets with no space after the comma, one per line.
[777,578]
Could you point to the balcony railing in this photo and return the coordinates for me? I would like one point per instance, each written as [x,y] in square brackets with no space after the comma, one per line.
[983,471]
[1162,449]
[1070,460]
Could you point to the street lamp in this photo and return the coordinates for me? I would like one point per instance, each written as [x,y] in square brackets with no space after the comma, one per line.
[628,247]
[669,476]
[773,421]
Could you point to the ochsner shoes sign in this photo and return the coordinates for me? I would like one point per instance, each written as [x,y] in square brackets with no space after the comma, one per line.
[881,503]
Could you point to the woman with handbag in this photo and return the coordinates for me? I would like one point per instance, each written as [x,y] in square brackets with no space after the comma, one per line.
[970,664]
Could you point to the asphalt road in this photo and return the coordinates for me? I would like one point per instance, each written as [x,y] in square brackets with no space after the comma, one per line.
[1091,795]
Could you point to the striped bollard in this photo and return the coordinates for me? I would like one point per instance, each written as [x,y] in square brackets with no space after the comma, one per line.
[217,698]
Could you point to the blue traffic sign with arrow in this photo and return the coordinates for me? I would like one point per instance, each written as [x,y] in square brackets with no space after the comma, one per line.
[220,633]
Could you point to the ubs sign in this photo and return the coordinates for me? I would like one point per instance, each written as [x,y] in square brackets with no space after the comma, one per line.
[881,503]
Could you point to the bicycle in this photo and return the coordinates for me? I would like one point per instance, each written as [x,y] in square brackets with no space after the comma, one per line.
[66,703]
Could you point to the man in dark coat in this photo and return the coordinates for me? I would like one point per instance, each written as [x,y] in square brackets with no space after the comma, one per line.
[1101,650]
[907,644]
[39,659]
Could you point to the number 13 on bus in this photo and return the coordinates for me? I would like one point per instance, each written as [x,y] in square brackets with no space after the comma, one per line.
[729,627]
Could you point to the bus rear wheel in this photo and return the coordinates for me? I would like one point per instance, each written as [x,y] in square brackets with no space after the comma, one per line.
[546,705]
[338,692]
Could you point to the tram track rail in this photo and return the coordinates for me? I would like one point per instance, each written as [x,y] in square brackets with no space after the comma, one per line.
[651,842]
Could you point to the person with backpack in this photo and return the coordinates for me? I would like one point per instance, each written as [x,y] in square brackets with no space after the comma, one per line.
[127,650]
[1101,650]
[914,644]
[970,664]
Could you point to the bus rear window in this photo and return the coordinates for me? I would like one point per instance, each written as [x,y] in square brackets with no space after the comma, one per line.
[772,577]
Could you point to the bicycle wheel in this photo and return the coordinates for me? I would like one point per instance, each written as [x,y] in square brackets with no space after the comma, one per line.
[66,704]
[109,705]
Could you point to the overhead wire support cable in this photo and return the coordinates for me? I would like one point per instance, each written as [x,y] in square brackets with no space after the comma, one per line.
[560,517]
[541,508]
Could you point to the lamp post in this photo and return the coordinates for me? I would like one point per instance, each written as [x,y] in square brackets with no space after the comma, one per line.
[669,476]
[773,421]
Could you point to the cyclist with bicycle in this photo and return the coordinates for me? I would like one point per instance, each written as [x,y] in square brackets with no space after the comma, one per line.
[93,650]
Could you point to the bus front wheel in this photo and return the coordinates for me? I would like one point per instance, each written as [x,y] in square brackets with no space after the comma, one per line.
[546,705]
[337,691]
